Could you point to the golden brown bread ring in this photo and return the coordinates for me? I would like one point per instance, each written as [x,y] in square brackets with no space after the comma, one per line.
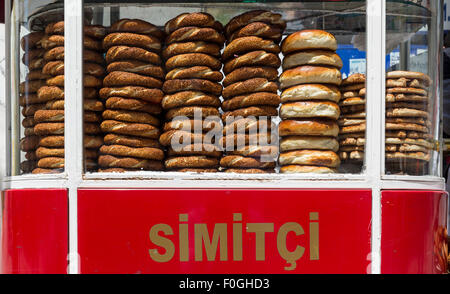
[132,104]
[28,122]
[353,87]
[129,163]
[302,169]
[114,139]
[56,68]
[189,98]
[195,72]
[406,112]
[409,75]
[93,105]
[92,129]
[94,31]
[192,112]
[31,40]
[357,78]
[31,155]
[248,124]
[57,53]
[417,106]
[29,143]
[28,166]
[186,34]
[125,151]
[312,57]
[248,171]
[137,67]
[122,78]
[36,75]
[51,162]
[49,116]
[237,161]
[234,140]
[406,98]
[30,110]
[249,86]
[38,171]
[192,125]
[29,131]
[49,42]
[37,63]
[415,91]
[52,141]
[117,53]
[193,59]
[309,74]
[195,149]
[249,44]
[179,136]
[307,92]
[31,86]
[191,47]
[239,21]
[255,99]
[308,39]
[173,86]
[310,109]
[256,151]
[137,26]
[245,73]
[133,129]
[92,117]
[32,54]
[88,82]
[130,116]
[195,19]
[44,129]
[254,58]
[92,142]
[43,152]
[310,158]
[150,95]
[196,170]
[292,143]
[132,40]
[403,127]
[313,127]
[259,29]
[256,111]
[191,162]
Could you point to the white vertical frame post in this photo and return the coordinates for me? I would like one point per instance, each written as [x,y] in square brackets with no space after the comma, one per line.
[73,139]
[375,147]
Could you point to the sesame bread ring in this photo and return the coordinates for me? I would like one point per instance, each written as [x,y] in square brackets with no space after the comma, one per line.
[246,125]
[353,87]
[237,161]
[310,75]
[409,141]
[197,170]
[191,47]
[36,75]
[29,143]
[137,67]
[354,141]
[192,112]
[257,139]
[109,161]
[117,53]
[150,95]
[314,127]
[57,28]
[249,86]
[121,78]
[414,120]
[49,42]
[51,162]
[30,110]
[132,129]
[31,86]
[302,169]
[173,137]
[92,142]
[415,91]
[57,53]
[256,111]
[186,34]
[248,171]
[132,104]
[56,68]
[174,86]
[92,129]
[249,44]
[408,134]
[195,72]
[312,57]
[28,166]
[125,151]
[254,58]
[311,158]
[259,29]
[189,98]
[308,142]
[29,132]
[191,162]
[311,92]
[49,116]
[38,171]
[195,149]
[32,54]
[239,21]
[405,148]
[406,127]
[88,81]
[308,39]
[406,112]
[31,41]
[51,141]
[405,83]
[196,19]
[136,26]
[243,73]
[417,106]
[354,79]
[352,109]
[406,98]
[310,109]
[114,139]
[193,59]
[409,75]
[256,151]
[31,155]
[192,125]
[28,122]
[42,152]
[93,105]
[130,116]
[353,129]
[37,63]
[345,122]
[408,156]
[133,40]
[261,98]
[44,129]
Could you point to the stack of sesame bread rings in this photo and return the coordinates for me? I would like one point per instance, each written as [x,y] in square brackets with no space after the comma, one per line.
[408,127]
[49,119]
[132,93]
[310,111]
[250,96]
[33,59]
[352,122]
[192,93]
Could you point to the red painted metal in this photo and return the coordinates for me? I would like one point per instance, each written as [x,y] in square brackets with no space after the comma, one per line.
[114,230]
[413,232]
[34,232]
